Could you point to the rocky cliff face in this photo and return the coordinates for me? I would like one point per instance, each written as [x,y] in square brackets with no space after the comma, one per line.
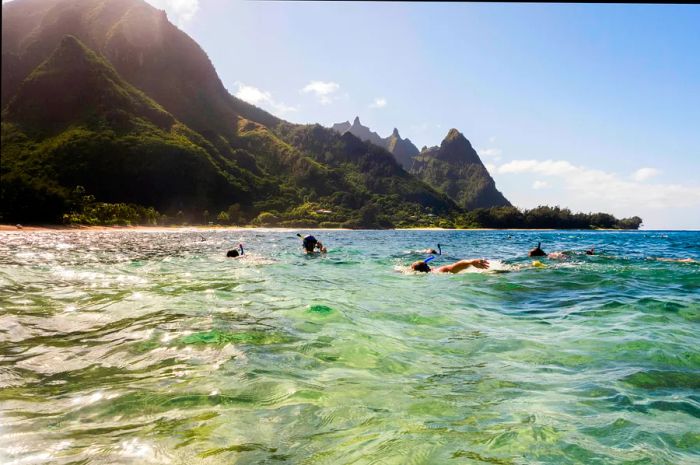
[402,149]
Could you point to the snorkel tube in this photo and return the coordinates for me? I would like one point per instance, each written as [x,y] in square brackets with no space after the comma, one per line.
[439,249]
[240,246]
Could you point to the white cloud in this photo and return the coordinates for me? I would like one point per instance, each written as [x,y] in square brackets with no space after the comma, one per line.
[262,99]
[179,12]
[379,102]
[540,184]
[642,174]
[492,152]
[547,167]
[323,90]
[600,189]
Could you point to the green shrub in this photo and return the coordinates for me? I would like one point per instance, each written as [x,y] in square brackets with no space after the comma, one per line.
[266,219]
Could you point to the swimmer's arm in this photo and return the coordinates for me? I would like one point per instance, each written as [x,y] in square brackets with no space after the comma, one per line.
[463,265]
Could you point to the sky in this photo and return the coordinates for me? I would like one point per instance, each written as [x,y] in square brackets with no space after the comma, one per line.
[591,107]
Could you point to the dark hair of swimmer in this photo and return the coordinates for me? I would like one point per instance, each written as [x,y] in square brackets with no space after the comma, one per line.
[420,266]
[590,251]
[309,242]
[537,251]
[234,253]
[435,252]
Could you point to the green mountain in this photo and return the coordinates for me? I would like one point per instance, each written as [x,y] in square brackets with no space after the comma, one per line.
[74,121]
[454,168]
[109,95]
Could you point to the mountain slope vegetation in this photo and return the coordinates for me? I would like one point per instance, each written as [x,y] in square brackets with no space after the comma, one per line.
[109,95]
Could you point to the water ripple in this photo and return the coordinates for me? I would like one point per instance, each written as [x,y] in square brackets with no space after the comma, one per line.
[153,347]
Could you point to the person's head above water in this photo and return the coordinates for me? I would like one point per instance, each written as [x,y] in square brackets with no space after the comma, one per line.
[590,251]
[235,252]
[537,251]
[420,266]
[433,251]
[309,242]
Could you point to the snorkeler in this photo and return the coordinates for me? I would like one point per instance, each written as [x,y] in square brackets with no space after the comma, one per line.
[423,267]
[433,251]
[537,251]
[235,252]
[310,244]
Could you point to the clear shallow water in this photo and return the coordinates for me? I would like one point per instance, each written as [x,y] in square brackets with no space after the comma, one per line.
[153,347]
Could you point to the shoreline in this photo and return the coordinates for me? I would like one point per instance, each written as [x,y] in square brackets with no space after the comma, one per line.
[63,228]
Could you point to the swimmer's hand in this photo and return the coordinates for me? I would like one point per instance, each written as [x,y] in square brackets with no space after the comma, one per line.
[480,263]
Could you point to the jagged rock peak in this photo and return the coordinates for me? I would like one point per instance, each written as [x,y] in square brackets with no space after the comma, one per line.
[71,48]
[395,133]
[356,121]
[70,41]
[453,134]
[455,139]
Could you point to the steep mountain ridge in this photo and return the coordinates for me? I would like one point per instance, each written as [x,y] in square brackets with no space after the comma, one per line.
[99,131]
[89,88]
[402,149]
[453,168]
[145,49]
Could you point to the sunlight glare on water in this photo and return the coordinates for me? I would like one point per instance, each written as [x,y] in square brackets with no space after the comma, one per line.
[124,347]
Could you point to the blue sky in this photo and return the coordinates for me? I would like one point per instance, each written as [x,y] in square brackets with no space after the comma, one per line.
[594,107]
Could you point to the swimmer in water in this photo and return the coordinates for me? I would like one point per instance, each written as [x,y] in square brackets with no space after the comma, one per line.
[310,244]
[537,251]
[433,251]
[590,251]
[677,260]
[423,267]
[235,252]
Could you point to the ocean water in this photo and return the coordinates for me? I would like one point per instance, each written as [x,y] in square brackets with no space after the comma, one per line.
[126,347]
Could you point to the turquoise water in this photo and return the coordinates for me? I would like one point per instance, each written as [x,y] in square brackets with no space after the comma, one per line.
[153,347]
